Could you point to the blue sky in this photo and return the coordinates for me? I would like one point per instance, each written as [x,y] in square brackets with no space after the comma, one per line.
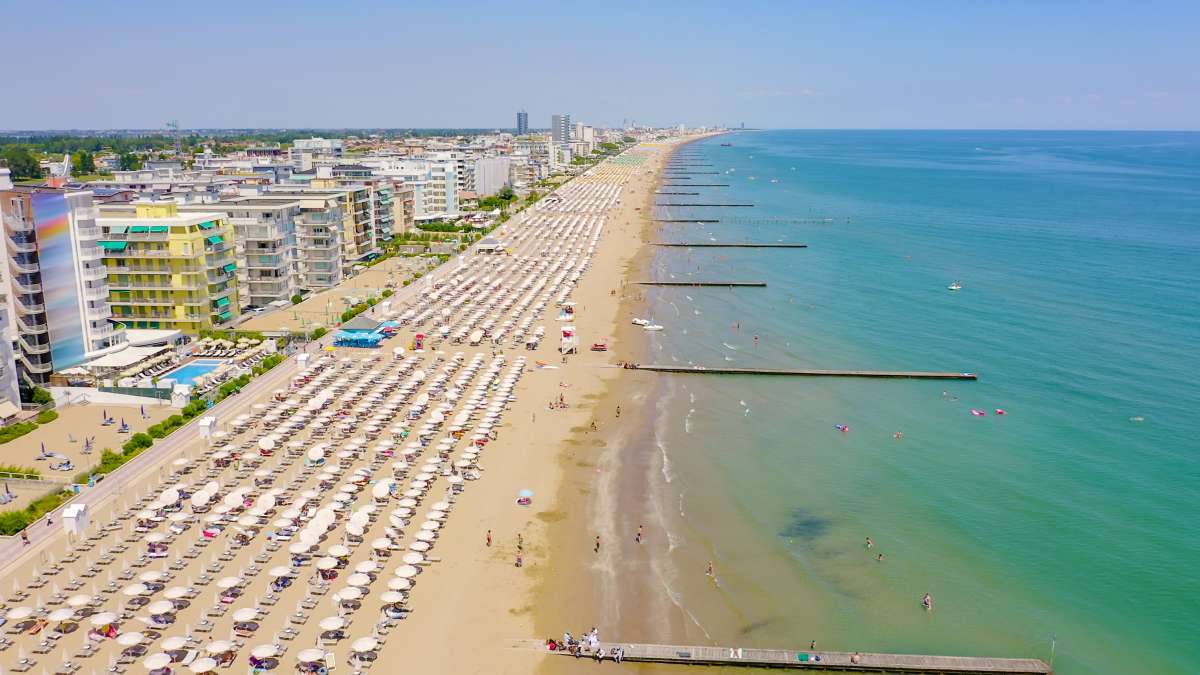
[1044,65]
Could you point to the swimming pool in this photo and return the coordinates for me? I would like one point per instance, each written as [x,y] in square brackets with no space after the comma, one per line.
[187,374]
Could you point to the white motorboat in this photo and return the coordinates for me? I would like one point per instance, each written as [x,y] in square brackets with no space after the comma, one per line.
[641,322]
[954,287]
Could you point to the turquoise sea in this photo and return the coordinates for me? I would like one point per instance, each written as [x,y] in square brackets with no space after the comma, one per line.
[1069,525]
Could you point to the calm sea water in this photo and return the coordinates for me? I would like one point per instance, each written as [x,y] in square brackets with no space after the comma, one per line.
[1071,523]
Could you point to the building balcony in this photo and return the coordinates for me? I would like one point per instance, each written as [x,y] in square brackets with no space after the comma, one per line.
[32,347]
[125,269]
[35,366]
[29,289]
[18,224]
[94,273]
[32,323]
[26,309]
[96,293]
[21,246]
[23,268]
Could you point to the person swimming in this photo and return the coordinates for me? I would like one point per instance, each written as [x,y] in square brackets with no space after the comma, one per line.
[927,602]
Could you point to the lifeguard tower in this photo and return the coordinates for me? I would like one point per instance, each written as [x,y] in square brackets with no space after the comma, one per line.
[570,343]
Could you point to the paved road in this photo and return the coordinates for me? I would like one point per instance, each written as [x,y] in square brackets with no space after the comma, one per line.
[13,552]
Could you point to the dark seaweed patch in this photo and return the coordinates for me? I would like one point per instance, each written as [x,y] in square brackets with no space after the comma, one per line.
[805,524]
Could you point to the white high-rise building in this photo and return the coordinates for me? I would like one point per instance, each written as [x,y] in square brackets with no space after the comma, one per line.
[491,175]
[560,128]
[57,279]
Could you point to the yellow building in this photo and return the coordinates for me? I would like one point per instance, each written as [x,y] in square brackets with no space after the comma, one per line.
[166,269]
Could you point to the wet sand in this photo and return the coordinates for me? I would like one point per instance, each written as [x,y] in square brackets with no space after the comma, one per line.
[607,489]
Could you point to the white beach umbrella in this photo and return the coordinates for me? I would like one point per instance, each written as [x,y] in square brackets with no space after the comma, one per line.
[364,644]
[203,665]
[399,584]
[160,607]
[103,618]
[174,642]
[229,582]
[245,614]
[326,563]
[407,571]
[135,589]
[358,580]
[310,655]
[413,558]
[59,615]
[332,623]
[264,651]
[130,639]
[77,601]
[156,661]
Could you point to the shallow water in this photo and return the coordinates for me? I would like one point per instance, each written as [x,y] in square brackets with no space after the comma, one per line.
[1070,520]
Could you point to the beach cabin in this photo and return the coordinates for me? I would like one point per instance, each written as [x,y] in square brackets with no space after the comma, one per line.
[489,245]
[359,332]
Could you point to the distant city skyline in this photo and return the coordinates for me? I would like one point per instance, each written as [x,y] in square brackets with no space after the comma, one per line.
[1024,65]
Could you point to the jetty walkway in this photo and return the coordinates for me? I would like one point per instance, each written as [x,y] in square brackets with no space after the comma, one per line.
[812,659]
[807,372]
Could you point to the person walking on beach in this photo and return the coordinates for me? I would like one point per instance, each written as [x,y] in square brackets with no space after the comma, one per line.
[520,559]
[489,538]
[597,548]
[520,542]
[618,411]
[640,532]
[709,569]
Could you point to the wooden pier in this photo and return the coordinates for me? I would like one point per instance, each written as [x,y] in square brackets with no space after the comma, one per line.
[804,372]
[696,204]
[726,284]
[695,184]
[685,220]
[717,244]
[689,194]
[678,172]
[810,659]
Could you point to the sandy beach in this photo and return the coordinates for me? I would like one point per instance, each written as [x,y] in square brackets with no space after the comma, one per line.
[478,590]
[475,592]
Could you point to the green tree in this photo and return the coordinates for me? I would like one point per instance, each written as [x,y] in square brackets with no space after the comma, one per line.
[129,162]
[21,162]
[82,163]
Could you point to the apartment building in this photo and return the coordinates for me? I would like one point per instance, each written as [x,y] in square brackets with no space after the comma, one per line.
[319,224]
[10,395]
[168,269]
[491,175]
[58,291]
[306,152]
[264,234]
[357,236]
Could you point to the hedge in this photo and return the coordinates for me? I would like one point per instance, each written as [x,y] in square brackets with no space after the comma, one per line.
[318,333]
[46,416]
[12,522]
[15,431]
[27,470]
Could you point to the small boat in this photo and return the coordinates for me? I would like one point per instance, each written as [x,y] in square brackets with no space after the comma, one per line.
[727,145]
[654,327]
[774,180]
[977,412]
[954,287]
[641,322]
